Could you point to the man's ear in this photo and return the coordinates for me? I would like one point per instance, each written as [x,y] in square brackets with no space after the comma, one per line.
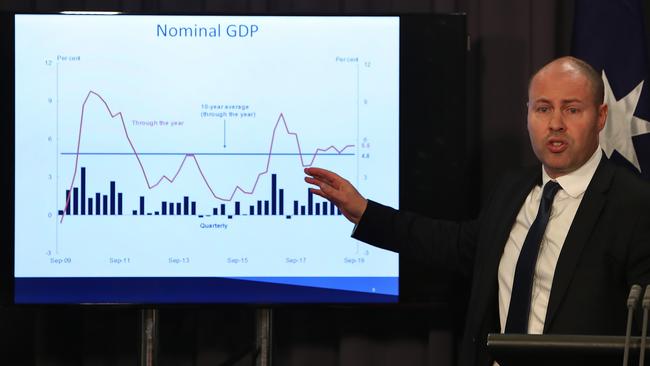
[602,116]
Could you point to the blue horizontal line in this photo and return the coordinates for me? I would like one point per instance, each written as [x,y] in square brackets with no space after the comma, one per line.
[183,154]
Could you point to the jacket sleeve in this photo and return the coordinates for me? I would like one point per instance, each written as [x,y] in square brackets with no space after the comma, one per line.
[444,244]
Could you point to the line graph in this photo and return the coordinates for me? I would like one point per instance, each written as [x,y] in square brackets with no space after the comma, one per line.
[204,153]
[191,156]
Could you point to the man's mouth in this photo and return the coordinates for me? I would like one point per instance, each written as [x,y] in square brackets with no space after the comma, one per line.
[556,146]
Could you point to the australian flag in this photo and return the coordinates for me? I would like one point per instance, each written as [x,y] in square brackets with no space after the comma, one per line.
[610,35]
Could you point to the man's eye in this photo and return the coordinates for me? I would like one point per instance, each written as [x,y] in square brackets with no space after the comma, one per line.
[573,110]
[543,109]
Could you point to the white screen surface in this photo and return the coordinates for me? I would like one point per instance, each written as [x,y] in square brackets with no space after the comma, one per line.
[174,146]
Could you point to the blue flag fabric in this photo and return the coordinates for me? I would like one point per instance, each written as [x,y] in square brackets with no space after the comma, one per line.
[610,35]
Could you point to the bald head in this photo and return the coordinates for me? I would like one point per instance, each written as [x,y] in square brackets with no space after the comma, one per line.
[565,114]
[575,65]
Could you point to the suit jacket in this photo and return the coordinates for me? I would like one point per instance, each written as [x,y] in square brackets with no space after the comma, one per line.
[607,249]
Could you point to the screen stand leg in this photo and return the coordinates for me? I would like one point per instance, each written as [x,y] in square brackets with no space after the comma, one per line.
[148,337]
[263,339]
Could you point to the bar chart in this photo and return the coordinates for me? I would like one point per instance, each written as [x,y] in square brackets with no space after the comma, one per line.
[111,203]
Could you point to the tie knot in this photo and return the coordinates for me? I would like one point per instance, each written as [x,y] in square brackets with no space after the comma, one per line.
[550,189]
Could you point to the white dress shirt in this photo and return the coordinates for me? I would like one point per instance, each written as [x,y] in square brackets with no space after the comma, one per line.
[563,211]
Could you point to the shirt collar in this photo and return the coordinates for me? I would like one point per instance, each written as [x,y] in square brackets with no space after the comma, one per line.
[576,182]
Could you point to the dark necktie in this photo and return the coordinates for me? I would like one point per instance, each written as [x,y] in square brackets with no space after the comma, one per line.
[523,283]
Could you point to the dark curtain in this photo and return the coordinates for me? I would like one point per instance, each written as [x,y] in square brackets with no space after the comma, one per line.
[509,40]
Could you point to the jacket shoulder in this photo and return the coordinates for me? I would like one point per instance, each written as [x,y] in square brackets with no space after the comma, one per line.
[629,187]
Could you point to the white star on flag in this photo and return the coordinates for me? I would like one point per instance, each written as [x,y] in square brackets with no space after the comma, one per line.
[621,124]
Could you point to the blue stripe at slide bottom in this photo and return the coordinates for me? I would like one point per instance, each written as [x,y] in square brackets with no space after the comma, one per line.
[185,290]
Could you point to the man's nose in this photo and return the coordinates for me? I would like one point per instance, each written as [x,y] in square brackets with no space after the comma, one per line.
[556,123]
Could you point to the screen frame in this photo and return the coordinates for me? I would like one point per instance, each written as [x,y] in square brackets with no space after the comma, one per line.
[409,49]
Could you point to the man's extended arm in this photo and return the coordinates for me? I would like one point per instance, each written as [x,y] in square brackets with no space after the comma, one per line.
[443,244]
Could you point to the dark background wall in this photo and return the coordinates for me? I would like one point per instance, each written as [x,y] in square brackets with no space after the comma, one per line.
[509,40]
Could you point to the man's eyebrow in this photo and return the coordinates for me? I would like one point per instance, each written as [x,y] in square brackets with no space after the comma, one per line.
[572,100]
[563,101]
[540,100]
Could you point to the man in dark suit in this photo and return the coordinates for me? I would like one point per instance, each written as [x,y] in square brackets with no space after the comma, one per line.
[556,246]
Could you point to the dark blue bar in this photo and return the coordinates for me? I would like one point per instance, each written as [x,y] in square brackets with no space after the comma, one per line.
[171,208]
[215,211]
[266,207]
[60,212]
[135,212]
[141,205]
[90,206]
[295,208]
[112,198]
[178,208]
[98,199]
[332,206]
[259,208]
[302,210]
[193,208]
[104,204]
[200,290]
[186,205]
[237,208]
[273,193]
[163,208]
[83,190]
[67,200]
[119,203]
[282,202]
[324,208]
[157,213]
[75,201]
[251,211]
[310,202]
[338,212]
[317,209]
[223,209]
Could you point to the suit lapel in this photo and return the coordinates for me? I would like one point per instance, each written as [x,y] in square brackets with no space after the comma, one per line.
[581,228]
[515,196]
